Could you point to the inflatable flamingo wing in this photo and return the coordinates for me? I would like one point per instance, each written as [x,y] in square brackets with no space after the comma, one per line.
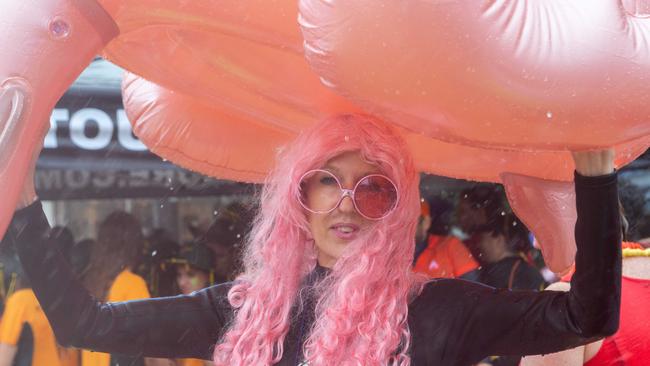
[229,147]
[512,74]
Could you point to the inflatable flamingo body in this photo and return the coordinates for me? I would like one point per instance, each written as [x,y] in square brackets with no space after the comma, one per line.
[498,90]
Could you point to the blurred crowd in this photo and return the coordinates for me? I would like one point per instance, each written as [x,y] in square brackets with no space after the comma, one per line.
[119,264]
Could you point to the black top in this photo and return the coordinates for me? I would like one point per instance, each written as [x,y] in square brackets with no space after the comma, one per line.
[452,322]
[511,272]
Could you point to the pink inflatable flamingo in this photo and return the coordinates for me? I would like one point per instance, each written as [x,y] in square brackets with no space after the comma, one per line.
[496,91]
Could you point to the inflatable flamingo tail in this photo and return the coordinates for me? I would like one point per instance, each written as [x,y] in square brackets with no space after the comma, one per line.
[45,46]
[548,209]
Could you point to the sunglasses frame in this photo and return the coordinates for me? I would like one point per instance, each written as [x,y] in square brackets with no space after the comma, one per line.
[349,193]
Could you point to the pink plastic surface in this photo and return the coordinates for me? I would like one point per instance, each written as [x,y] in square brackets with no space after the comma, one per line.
[548,209]
[525,75]
[244,59]
[44,46]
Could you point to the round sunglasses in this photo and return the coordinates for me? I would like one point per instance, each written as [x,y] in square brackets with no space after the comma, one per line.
[374,196]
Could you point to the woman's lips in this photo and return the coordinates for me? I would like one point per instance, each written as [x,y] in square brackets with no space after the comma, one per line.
[345,231]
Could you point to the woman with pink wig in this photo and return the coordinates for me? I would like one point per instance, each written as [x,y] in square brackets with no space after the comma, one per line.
[327,274]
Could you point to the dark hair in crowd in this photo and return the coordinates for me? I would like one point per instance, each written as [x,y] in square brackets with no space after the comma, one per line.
[491,199]
[517,234]
[500,218]
[119,242]
[441,213]
[230,227]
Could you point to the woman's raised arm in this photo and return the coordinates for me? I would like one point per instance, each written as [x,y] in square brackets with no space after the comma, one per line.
[173,327]
[488,321]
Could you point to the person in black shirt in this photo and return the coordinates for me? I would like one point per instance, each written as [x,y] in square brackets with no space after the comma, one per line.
[339,214]
[498,239]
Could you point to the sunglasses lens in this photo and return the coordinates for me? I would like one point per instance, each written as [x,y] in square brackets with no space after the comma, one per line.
[375,196]
[319,191]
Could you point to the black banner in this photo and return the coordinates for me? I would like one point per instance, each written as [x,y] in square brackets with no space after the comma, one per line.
[91,152]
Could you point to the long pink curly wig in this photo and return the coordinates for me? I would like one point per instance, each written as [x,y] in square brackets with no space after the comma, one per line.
[361,312]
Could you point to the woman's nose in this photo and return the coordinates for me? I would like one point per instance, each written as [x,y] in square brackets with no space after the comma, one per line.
[346,205]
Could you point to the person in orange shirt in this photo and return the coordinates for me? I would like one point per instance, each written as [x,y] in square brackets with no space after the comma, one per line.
[24,319]
[225,236]
[26,337]
[119,242]
[444,255]
[194,271]
[211,257]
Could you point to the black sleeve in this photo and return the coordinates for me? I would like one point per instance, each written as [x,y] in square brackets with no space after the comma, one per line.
[481,321]
[172,327]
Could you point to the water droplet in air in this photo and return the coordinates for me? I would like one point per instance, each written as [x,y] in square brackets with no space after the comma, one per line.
[549,114]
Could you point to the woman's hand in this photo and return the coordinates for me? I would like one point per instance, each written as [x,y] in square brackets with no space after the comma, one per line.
[594,163]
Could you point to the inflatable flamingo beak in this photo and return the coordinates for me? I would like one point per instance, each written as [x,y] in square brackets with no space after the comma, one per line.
[44,48]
